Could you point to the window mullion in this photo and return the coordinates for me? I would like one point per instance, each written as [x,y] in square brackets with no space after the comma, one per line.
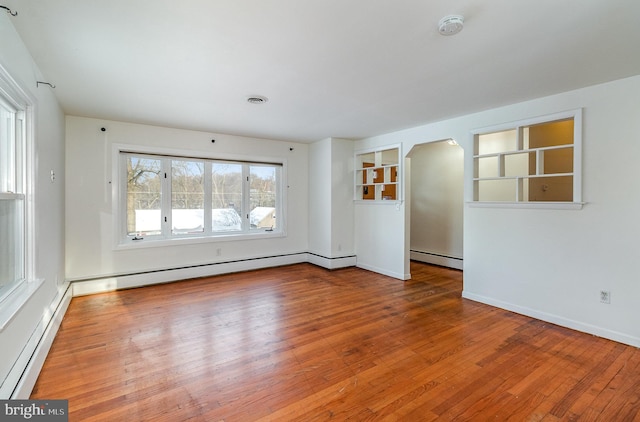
[246,189]
[207,206]
[20,151]
[166,198]
[8,146]
[123,196]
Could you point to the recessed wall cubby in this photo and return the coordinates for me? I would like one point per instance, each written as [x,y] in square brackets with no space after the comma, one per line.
[377,174]
[535,161]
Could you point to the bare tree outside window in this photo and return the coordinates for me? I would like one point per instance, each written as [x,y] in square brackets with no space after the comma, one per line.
[262,197]
[226,196]
[143,194]
[187,196]
[181,197]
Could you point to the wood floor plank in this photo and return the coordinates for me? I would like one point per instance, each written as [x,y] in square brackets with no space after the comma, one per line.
[301,343]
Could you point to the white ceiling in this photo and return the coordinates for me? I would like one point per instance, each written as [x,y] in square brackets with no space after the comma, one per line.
[342,68]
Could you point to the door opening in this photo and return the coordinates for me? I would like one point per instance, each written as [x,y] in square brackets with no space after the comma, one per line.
[435,190]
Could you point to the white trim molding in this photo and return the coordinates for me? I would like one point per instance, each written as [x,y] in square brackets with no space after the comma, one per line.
[21,379]
[331,263]
[556,319]
[108,283]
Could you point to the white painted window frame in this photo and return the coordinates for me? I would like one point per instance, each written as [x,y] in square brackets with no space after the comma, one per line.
[14,297]
[121,241]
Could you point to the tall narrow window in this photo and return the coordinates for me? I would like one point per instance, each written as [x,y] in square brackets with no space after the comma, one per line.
[12,197]
[226,197]
[144,197]
[262,197]
[187,197]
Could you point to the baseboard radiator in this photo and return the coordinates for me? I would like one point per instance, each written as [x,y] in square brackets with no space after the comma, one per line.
[437,259]
[108,283]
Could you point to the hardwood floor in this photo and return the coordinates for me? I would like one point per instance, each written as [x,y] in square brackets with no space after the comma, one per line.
[304,343]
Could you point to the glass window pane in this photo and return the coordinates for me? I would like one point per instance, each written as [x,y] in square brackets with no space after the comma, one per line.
[187,197]
[11,242]
[143,196]
[226,197]
[7,149]
[262,197]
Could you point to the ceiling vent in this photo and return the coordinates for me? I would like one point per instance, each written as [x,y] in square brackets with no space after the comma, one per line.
[450,25]
[257,99]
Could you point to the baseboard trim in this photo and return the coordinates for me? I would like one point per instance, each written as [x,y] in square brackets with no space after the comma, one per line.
[556,319]
[127,281]
[331,263]
[400,276]
[37,349]
[108,283]
[436,259]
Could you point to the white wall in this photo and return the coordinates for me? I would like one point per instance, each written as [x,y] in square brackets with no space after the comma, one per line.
[551,264]
[21,338]
[380,238]
[437,203]
[342,197]
[331,203]
[90,233]
[320,198]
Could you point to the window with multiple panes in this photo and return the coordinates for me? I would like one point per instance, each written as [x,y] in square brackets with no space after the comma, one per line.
[168,197]
[13,206]
[537,161]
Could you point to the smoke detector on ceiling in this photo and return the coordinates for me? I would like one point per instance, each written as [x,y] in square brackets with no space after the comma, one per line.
[451,25]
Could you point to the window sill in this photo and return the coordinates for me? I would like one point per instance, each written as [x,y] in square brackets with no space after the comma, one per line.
[11,305]
[529,205]
[153,243]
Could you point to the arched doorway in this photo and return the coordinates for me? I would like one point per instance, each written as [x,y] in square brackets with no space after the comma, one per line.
[436,203]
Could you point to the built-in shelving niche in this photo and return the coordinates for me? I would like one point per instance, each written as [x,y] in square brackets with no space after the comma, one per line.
[377,174]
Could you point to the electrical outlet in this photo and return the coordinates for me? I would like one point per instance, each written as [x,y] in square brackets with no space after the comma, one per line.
[605,296]
[219,252]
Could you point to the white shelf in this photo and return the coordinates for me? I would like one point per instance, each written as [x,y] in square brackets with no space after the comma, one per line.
[523,151]
[529,205]
[376,184]
[530,176]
